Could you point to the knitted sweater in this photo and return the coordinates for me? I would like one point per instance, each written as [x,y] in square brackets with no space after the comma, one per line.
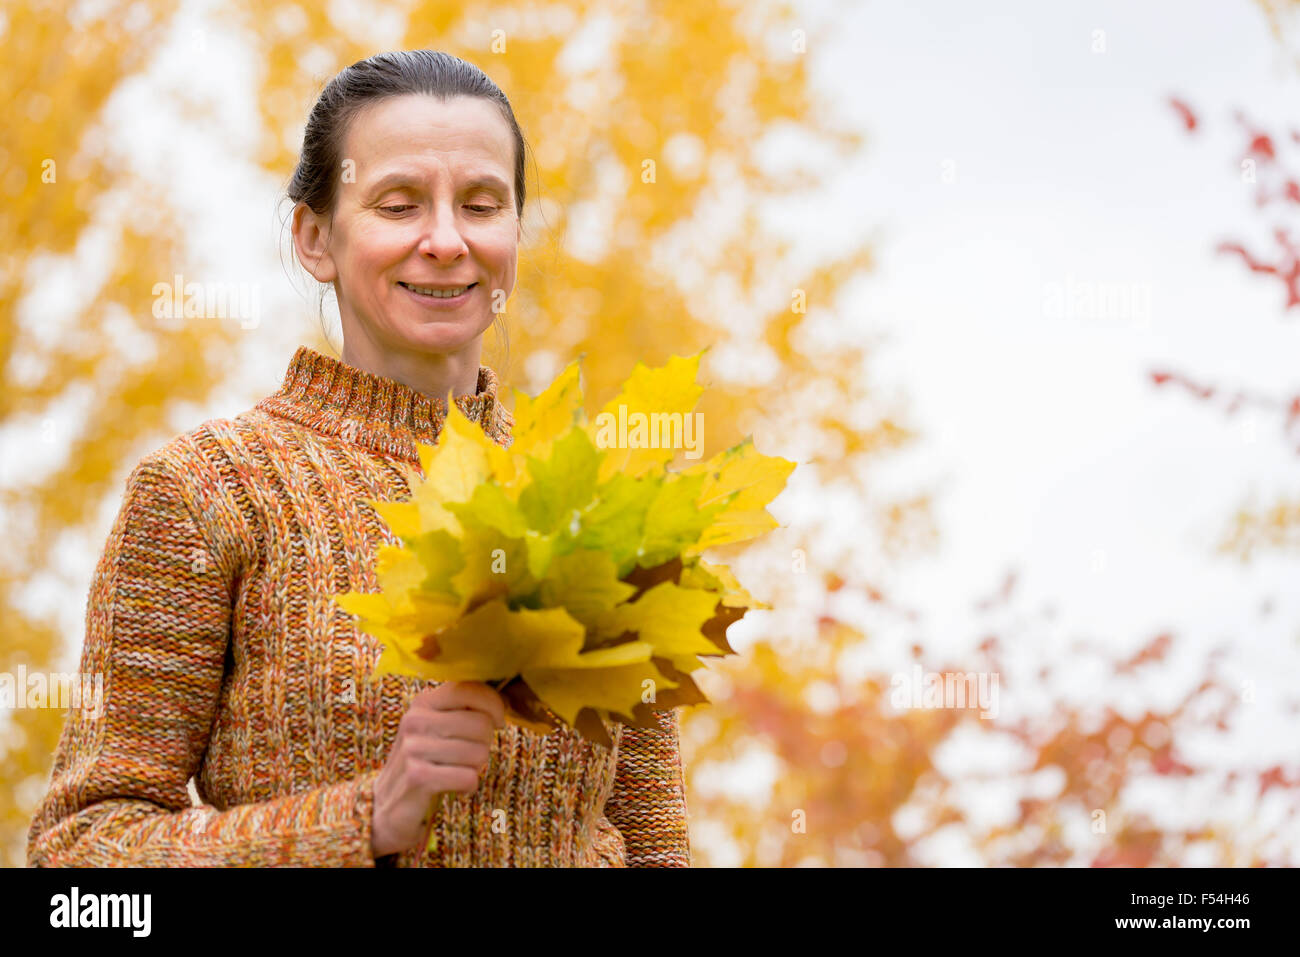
[210,618]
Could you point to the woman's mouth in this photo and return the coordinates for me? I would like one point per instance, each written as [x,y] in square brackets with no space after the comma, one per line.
[429,295]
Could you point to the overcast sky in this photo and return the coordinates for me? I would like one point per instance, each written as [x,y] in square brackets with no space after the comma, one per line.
[1052,450]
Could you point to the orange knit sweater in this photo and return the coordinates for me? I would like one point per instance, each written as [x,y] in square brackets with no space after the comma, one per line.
[224,659]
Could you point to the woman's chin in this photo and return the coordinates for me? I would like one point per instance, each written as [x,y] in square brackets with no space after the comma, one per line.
[441,336]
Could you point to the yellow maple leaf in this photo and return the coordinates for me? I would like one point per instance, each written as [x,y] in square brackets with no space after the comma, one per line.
[650,398]
[585,582]
[457,463]
[719,579]
[614,687]
[669,618]
[746,481]
[539,421]
[494,643]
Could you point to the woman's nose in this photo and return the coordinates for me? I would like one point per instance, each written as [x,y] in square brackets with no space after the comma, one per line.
[441,237]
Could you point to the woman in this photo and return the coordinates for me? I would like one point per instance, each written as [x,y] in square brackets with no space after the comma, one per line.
[211,615]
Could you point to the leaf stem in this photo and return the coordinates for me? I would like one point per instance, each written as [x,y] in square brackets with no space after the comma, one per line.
[432,844]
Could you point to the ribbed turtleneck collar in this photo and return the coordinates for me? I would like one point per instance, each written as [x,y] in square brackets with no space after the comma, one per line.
[376,412]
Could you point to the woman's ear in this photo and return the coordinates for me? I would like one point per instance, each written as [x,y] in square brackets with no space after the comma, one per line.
[311,240]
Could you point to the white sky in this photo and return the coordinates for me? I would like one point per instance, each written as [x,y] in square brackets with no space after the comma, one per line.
[1042,433]
[1046,433]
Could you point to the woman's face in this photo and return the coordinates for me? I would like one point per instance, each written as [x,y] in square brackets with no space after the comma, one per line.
[425,200]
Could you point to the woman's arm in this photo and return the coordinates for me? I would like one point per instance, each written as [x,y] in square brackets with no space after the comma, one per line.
[648,802]
[157,626]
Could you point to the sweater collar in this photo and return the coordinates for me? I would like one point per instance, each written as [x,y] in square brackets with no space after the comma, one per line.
[376,412]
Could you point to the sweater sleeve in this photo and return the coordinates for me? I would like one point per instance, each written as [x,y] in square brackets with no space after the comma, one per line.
[648,801]
[157,627]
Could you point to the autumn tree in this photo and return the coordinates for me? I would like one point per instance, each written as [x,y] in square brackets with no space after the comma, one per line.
[643,239]
[90,376]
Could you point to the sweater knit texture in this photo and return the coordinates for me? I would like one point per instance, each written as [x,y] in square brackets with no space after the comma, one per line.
[224,659]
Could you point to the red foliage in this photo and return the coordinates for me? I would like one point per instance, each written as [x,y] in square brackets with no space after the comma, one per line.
[853,767]
[1260,160]
[1155,650]
[1185,112]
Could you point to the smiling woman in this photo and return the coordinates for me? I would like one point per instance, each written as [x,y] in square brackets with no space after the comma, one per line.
[211,613]
[403,202]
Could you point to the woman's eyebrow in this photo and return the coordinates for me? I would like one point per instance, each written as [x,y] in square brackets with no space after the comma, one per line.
[489,180]
[408,178]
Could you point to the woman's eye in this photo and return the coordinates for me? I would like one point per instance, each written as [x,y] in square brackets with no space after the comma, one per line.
[478,208]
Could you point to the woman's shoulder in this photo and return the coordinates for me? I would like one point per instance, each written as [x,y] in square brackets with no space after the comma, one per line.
[200,448]
[203,468]
[224,443]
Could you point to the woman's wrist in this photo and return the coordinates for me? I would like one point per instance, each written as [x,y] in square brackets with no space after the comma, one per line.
[379,845]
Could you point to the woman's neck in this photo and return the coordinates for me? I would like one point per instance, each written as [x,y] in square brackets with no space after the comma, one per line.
[432,373]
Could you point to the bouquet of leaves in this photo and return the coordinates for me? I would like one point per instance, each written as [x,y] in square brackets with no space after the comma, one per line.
[566,569]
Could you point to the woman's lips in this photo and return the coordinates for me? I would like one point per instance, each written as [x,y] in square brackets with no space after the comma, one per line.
[439,300]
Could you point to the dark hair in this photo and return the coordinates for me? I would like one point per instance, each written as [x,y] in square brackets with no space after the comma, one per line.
[396,73]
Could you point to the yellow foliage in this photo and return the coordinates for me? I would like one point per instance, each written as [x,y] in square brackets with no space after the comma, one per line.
[611,305]
[524,564]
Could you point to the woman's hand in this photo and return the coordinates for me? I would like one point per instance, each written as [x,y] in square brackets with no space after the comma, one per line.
[443,744]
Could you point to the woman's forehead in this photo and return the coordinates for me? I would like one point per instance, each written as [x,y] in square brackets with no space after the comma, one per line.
[420,123]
